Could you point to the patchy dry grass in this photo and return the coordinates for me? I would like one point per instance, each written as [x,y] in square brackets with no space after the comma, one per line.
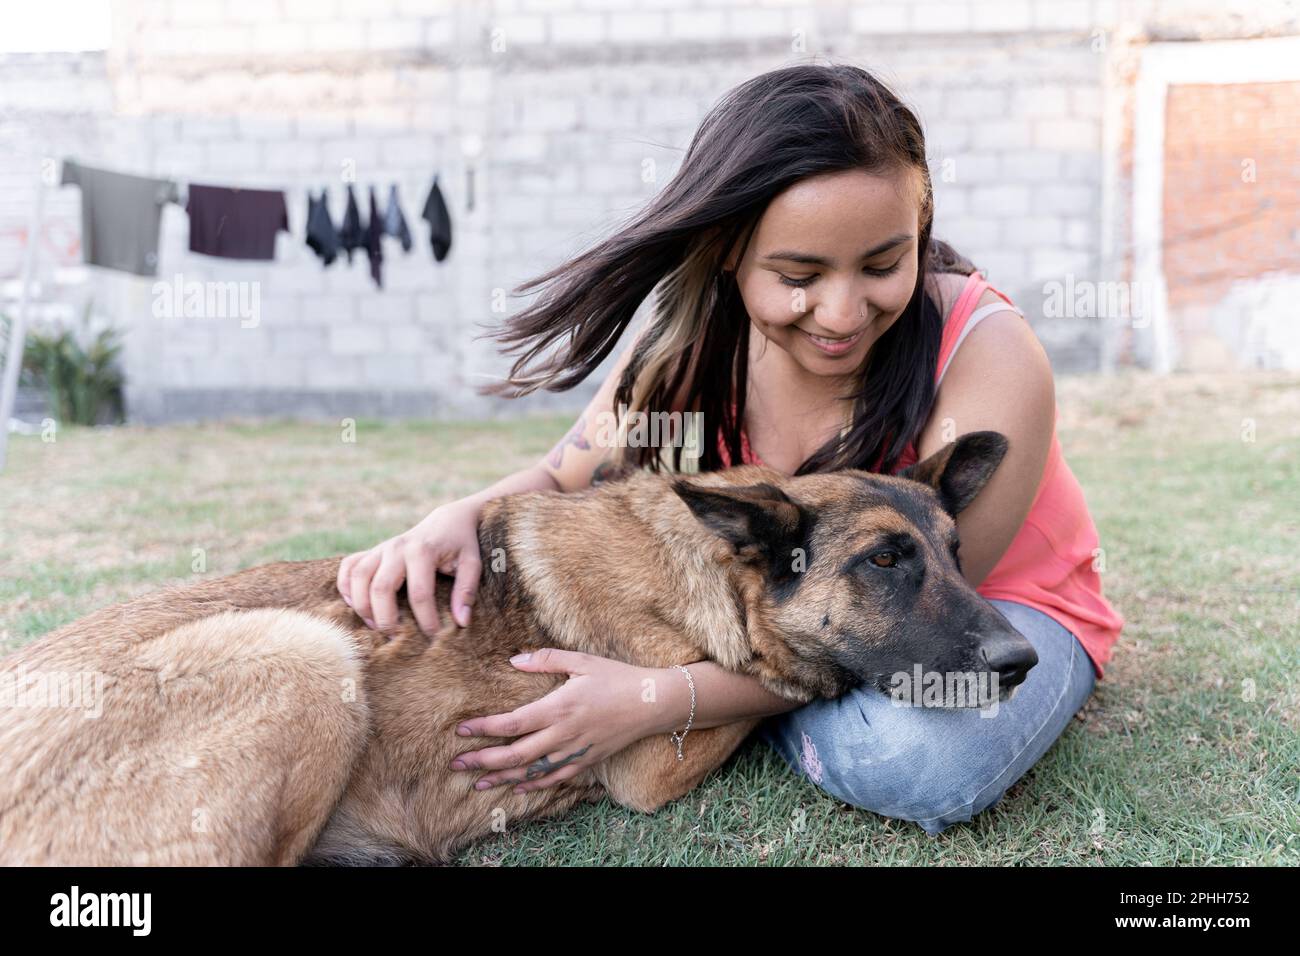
[1188,753]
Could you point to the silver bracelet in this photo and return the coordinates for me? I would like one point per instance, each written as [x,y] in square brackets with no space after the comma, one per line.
[676,737]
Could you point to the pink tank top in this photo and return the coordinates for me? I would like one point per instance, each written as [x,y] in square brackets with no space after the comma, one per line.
[1050,564]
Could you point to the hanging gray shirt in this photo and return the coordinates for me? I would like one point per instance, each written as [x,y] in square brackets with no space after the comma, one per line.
[120,217]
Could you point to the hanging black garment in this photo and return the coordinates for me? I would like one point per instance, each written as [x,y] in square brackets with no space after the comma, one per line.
[395,220]
[322,237]
[374,232]
[352,235]
[234,222]
[435,213]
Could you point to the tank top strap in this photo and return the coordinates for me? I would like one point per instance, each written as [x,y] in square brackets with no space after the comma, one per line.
[965,316]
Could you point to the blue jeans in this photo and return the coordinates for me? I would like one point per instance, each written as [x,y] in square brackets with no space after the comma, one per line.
[932,765]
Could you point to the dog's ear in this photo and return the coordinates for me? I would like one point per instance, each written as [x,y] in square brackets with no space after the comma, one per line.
[958,470]
[760,521]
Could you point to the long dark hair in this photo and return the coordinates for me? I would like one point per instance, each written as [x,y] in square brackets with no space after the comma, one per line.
[761,137]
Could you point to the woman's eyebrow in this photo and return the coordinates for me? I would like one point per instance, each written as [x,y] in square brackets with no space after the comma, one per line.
[791,255]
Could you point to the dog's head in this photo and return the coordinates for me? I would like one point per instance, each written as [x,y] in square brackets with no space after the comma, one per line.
[852,577]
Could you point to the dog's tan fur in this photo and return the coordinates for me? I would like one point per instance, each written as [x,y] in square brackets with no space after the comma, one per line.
[254,719]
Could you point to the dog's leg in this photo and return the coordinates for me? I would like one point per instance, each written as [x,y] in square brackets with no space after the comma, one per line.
[648,774]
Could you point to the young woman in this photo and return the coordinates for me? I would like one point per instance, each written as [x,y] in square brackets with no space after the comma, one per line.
[804,309]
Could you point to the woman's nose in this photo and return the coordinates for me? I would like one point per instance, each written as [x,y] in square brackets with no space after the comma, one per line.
[842,316]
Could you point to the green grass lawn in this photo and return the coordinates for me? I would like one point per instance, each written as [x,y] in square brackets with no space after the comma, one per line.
[1190,747]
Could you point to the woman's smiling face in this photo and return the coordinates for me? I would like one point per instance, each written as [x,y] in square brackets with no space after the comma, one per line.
[832,265]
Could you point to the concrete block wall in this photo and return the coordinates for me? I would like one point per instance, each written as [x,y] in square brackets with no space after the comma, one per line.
[571,101]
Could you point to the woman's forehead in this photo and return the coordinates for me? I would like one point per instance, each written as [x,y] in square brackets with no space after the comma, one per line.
[851,206]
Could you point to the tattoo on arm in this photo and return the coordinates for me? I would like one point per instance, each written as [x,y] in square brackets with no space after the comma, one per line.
[574,437]
[539,768]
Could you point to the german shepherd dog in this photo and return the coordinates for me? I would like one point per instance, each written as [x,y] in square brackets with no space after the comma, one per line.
[255,719]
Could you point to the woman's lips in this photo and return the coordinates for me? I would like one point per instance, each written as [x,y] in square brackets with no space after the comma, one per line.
[834,346]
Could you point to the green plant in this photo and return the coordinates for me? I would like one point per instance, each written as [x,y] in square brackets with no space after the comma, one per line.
[79,370]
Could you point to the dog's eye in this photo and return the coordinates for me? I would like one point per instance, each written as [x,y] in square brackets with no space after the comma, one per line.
[884,559]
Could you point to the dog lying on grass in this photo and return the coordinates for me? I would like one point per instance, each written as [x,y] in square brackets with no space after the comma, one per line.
[254,719]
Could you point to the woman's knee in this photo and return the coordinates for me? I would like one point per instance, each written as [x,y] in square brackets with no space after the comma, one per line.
[917,764]
[937,766]
[933,783]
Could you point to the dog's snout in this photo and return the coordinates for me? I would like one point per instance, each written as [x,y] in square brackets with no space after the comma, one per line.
[1009,656]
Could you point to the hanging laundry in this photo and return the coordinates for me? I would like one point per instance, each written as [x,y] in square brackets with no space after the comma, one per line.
[375,232]
[435,213]
[395,220]
[322,237]
[120,217]
[236,223]
[352,235]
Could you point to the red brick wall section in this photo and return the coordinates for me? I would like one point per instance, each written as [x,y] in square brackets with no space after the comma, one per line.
[1232,186]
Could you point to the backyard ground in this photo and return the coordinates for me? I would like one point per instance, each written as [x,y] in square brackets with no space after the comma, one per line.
[1188,752]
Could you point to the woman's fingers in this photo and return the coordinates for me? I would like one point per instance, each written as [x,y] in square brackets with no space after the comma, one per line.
[359,589]
[544,763]
[538,715]
[551,779]
[383,588]
[553,660]
[512,756]
[421,572]
[344,580]
[468,568]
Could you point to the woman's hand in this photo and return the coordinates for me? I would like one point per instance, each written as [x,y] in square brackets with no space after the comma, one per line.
[446,541]
[604,706]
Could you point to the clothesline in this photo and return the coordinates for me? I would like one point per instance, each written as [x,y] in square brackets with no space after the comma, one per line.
[121,221]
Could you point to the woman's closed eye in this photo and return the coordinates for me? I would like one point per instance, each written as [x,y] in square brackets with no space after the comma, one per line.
[800,282]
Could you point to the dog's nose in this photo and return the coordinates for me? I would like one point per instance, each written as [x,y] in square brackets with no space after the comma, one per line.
[1009,656]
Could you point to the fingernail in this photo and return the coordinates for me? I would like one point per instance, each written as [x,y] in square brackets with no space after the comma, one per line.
[347,600]
[482,785]
[458,765]
[370,624]
[519,790]
[521,658]
[462,731]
